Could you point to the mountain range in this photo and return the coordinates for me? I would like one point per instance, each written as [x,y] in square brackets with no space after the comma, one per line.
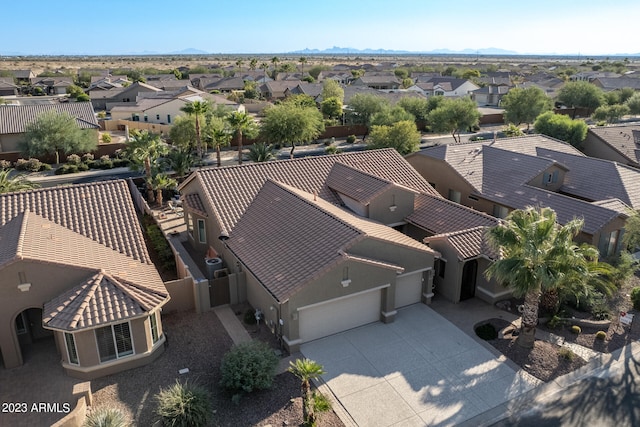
[352,51]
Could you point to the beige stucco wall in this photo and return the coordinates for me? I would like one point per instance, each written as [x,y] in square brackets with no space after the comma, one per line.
[539,180]
[593,146]
[9,142]
[380,207]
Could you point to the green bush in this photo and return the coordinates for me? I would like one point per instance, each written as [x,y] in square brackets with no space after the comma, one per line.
[250,317]
[487,332]
[5,164]
[601,335]
[44,167]
[106,416]
[331,149]
[73,159]
[567,354]
[65,169]
[184,405]
[247,367]
[161,247]
[83,167]
[555,322]
[576,329]
[351,139]
[31,165]
[635,297]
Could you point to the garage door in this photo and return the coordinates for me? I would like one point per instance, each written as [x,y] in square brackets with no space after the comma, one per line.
[408,289]
[321,320]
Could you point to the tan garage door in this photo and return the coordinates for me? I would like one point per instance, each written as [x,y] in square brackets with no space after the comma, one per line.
[341,314]
[408,289]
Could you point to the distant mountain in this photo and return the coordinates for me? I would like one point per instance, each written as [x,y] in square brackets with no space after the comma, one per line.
[189,51]
[352,51]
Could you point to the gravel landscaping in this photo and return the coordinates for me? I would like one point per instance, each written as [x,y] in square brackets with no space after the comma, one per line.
[198,342]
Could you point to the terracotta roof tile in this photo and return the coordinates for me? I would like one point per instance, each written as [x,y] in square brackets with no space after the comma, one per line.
[101,299]
[230,190]
[269,240]
[469,243]
[194,203]
[438,215]
[623,139]
[101,211]
[360,186]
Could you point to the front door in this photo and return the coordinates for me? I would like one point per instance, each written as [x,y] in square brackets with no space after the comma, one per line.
[469,273]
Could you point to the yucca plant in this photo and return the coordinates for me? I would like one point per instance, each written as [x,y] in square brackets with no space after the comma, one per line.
[261,152]
[106,416]
[184,405]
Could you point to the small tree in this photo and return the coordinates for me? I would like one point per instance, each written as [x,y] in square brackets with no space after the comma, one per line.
[183,132]
[307,370]
[524,105]
[160,182]
[454,116]
[390,116]
[247,367]
[634,104]
[363,106]
[561,127]
[180,160]
[290,124]
[610,113]
[581,94]
[403,136]
[143,151]
[241,124]
[52,133]
[332,89]
[331,107]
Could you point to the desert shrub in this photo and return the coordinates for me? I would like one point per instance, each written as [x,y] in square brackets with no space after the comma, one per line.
[73,159]
[161,247]
[66,169]
[83,167]
[247,367]
[321,403]
[31,165]
[576,329]
[487,332]
[106,416]
[5,164]
[250,317]
[185,405]
[44,167]
[331,149]
[351,139]
[87,157]
[120,163]
[567,354]
[554,322]
[601,335]
[105,162]
[635,297]
[106,138]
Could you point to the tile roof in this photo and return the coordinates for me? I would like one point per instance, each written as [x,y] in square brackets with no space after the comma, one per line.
[597,179]
[101,211]
[144,104]
[99,300]
[229,190]
[624,139]
[194,203]
[468,243]
[438,215]
[269,241]
[13,118]
[360,186]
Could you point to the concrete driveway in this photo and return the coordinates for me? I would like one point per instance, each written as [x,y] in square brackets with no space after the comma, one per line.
[420,370]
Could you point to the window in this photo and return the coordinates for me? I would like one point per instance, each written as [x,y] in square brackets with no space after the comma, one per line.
[612,242]
[146,118]
[169,118]
[550,177]
[474,198]
[153,321]
[72,353]
[441,266]
[190,225]
[21,324]
[454,196]
[114,342]
[202,236]
[500,211]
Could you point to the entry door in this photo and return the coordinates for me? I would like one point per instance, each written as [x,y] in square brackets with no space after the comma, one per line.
[469,273]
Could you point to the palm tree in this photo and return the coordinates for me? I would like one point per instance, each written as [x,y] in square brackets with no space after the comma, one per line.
[15,183]
[275,61]
[180,160]
[261,152]
[239,64]
[303,61]
[253,64]
[538,254]
[159,182]
[197,109]
[307,370]
[218,137]
[144,149]
[264,67]
[240,123]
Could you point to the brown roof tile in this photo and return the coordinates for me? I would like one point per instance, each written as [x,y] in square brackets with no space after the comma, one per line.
[193,202]
[438,215]
[13,118]
[230,190]
[101,299]
[101,211]
[469,243]
[288,237]
[624,139]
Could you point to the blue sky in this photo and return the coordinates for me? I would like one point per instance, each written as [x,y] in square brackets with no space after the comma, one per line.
[585,27]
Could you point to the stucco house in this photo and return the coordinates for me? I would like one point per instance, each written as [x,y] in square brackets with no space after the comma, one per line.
[14,118]
[106,99]
[74,269]
[321,244]
[499,176]
[617,143]
[450,87]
